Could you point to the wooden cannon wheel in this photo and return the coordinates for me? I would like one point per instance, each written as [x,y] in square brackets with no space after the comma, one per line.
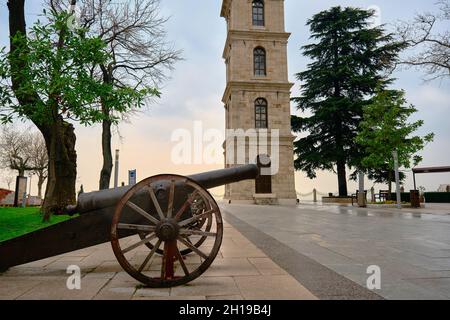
[198,207]
[187,244]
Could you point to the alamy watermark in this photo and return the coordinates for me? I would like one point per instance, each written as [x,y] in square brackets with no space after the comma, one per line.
[374,280]
[73,22]
[77,14]
[239,146]
[74,280]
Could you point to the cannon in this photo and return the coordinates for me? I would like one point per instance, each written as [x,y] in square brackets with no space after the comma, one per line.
[165,231]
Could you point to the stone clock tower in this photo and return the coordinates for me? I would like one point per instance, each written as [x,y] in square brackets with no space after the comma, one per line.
[257,96]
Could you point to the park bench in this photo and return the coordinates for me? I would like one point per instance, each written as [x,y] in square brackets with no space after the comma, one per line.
[382,196]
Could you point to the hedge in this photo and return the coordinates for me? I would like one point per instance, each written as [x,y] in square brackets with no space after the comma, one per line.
[437,197]
[404,196]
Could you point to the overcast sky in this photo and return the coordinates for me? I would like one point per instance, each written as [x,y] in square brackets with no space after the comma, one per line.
[196,86]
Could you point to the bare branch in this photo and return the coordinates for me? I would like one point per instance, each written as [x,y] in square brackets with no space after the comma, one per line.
[431,48]
[135,35]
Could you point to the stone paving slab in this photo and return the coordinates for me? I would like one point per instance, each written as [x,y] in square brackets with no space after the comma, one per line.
[279,287]
[241,271]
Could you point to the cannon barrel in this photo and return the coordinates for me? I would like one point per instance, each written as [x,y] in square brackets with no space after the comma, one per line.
[217,178]
[108,198]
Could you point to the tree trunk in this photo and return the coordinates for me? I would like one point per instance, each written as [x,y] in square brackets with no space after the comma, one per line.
[342,178]
[105,174]
[62,170]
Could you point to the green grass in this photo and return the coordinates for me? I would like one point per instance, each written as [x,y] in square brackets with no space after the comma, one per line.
[15,222]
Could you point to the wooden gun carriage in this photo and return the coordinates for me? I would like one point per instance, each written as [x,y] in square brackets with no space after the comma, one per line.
[165,231]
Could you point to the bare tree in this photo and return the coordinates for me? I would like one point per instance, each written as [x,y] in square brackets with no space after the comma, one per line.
[39,160]
[141,56]
[15,150]
[8,179]
[431,47]
[24,151]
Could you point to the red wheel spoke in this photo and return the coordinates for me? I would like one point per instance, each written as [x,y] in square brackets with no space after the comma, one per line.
[167,266]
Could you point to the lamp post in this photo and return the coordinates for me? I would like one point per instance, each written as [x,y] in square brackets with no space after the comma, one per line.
[116,170]
[29,192]
[397,179]
[361,193]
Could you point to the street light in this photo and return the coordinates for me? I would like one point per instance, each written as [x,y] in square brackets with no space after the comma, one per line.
[116,170]
[397,179]
[29,193]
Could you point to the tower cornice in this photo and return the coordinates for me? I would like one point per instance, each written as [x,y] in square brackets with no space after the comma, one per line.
[256,86]
[254,35]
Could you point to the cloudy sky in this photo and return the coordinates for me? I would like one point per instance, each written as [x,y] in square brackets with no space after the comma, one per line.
[196,86]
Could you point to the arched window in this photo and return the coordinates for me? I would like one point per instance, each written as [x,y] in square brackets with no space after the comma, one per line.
[261,113]
[258,12]
[259,61]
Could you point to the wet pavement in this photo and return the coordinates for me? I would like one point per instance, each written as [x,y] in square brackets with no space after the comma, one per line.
[328,248]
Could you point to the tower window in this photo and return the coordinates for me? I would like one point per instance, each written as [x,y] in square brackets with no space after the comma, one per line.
[259,61]
[261,113]
[258,12]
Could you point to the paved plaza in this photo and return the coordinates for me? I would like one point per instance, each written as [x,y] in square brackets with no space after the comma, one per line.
[324,245]
[274,252]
